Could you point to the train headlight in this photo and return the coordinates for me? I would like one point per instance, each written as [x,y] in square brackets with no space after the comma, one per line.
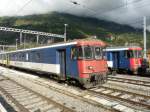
[90,67]
[140,65]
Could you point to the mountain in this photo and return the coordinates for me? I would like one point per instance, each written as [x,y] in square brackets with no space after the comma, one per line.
[78,27]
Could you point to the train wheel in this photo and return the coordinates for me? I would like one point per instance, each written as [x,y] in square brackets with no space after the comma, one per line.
[109,71]
[114,73]
[135,72]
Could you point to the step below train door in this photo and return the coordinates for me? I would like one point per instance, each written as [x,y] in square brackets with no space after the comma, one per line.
[62,63]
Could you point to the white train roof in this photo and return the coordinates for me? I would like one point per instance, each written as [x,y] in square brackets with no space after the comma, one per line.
[38,48]
[121,48]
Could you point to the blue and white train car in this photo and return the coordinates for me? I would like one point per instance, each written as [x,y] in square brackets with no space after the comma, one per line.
[125,59]
[77,60]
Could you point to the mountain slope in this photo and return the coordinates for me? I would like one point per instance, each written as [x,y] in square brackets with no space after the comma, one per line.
[79,27]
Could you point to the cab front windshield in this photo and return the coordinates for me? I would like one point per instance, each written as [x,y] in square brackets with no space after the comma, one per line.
[87,52]
[134,54]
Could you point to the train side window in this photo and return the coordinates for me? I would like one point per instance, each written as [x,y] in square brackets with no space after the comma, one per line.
[37,57]
[98,53]
[13,57]
[27,56]
[16,57]
[127,54]
[20,57]
[32,58]
[74,53]
[23,57]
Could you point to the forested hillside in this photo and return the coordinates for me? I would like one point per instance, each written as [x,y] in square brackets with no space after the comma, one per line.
[78,27]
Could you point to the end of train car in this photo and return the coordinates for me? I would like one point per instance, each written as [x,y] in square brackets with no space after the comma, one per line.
[92,66]
[80,60]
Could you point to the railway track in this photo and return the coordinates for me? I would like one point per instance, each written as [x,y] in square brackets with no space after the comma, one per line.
[26,100]
[130,81]
[135,99]
[139,100]
[117,97]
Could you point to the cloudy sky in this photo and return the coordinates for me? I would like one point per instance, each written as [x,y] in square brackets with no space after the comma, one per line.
[129,12]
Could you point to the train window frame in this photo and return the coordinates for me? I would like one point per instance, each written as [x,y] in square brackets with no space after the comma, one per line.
[128,55]
[33,56]
[16,57]
[101,53]
[20,56]
[23,57]
[81,56]
[80,53]
[74,50]
[125,54]
[26,56]
[37,56]
[92,53]
[137,53]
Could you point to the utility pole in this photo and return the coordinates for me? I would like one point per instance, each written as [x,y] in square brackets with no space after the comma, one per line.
[144,34]
[65,33]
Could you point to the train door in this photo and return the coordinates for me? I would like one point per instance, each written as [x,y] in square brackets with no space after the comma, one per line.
[115,59]
[124,60]
[62,62]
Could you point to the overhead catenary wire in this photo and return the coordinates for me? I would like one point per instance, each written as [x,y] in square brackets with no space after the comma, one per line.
[109,10]
[121,6]
[123,13]
[90,9]
[74,3]
[29,31]
[22,8]
[116,8]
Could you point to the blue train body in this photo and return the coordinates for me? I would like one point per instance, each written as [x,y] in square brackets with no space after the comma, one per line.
[116,60]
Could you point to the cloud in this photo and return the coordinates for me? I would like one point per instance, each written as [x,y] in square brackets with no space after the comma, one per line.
[128,12]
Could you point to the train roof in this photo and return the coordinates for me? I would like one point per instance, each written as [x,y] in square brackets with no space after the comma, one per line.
[122,48]
[74,42]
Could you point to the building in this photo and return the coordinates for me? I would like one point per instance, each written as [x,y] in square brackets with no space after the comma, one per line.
[148,55]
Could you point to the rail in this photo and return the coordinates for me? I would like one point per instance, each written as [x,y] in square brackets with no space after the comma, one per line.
[27,100]
[130,81]
[125,96]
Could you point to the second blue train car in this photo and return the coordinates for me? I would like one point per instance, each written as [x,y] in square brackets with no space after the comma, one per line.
[125,59]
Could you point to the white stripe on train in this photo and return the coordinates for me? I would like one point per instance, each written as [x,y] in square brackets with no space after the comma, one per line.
[51,68]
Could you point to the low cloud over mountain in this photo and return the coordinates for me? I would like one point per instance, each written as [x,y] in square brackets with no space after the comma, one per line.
[128,12]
